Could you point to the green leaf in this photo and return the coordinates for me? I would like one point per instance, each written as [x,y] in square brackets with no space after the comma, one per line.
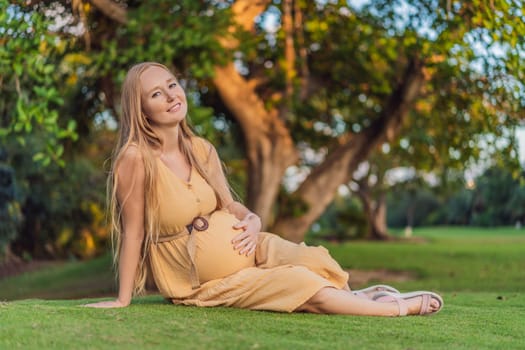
[59,151]
[22,116]
[48,69]
[71,125]
[38,156]
[17,67]
[18,126]
[28,127]
[21,140]
[46,161]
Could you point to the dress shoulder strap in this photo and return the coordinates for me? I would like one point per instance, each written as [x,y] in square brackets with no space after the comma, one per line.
[202,149]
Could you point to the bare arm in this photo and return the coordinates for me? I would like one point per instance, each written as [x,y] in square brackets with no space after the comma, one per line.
[130,192]
[250,224]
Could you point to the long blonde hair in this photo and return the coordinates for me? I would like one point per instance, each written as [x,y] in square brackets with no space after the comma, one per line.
[136,130]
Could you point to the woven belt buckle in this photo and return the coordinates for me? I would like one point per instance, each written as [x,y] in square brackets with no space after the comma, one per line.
[200,223]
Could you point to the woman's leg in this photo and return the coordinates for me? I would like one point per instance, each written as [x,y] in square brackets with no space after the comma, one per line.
[337,301]
[273,251]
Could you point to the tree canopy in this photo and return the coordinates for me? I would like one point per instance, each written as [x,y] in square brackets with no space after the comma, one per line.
[317,85]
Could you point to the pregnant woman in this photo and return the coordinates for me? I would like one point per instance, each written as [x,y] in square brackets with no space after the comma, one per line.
[173,216]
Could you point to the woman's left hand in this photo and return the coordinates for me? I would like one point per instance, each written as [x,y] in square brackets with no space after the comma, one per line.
[246,241]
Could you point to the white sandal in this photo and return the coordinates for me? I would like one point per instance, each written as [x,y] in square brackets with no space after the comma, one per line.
[401,300]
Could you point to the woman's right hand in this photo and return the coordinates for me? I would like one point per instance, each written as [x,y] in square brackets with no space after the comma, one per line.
[107,304]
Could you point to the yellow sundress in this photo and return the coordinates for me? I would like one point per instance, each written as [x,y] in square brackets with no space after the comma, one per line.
[280,276]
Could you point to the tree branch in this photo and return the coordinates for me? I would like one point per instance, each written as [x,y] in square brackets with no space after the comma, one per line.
[244,13]
[319,188]
[303,53]
[387,126]
[384,127]
[112,10]
[239,94]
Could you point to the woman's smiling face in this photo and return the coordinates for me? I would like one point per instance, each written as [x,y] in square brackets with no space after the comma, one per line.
[163,99]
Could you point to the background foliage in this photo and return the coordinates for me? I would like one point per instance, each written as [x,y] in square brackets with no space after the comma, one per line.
[62,63]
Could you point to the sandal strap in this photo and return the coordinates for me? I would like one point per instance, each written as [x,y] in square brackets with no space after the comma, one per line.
[425,304]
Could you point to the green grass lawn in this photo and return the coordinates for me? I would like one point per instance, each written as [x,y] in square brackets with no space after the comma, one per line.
[480,273]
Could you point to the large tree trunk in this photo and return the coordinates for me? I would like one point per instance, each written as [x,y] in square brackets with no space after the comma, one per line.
[269,145]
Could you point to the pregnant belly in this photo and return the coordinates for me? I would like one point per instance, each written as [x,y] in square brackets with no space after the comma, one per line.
[215,256]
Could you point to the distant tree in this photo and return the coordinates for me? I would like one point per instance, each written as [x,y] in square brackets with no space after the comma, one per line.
[458,209]
[516,205]
[498,198]
[410,203]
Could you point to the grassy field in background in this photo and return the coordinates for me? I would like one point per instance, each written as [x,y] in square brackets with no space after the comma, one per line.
[446,259]
[480,273]
[71,280]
